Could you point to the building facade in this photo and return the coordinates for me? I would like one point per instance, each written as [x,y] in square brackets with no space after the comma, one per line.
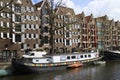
[26,26]
[19,26]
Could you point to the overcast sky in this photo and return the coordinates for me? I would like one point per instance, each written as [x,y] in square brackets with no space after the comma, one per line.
[96,7]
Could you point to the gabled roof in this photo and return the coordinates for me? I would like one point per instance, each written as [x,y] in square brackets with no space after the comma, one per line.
[103,17]
[80,15]
[88,18]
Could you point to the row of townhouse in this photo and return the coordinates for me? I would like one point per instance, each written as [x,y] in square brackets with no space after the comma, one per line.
[108,33]
[72,31]
[27,26]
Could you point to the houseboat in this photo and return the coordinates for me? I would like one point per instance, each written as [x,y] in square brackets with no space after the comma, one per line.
[38,61]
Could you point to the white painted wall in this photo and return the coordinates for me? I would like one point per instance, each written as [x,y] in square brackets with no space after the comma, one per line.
[44,60]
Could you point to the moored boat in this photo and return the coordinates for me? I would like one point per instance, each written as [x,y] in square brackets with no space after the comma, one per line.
[111,55]
[37,61]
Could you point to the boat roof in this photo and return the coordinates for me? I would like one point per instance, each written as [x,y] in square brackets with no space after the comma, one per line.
[66,54]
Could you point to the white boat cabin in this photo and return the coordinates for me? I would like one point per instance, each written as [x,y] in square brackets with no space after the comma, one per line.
[34,54]
[39,58]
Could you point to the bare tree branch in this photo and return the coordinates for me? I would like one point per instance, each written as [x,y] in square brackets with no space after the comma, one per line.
[58,4]
[6,5]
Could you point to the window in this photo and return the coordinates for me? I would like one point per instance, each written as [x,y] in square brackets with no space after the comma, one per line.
[17,18]
[34,35]
[10,35]
[18,28]
[18,38]
[17,8]
[67,34]
[34,45]
[99,24]
[37,60]
[32,54]
[22,46]
[73,57]
[46,39]
[67,42]
[30,26]
[85,56]
[5,35]
[46,29]
[25,35]
[81,56]
[68,57]
[4,24]
[29,35]
[89,55]
[60,40]
[28,45]
[44,11]
[57,40]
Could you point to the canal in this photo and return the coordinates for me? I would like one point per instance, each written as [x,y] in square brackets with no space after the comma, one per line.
[108,71]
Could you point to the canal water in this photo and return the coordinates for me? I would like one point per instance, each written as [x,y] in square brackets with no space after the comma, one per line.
[108,71]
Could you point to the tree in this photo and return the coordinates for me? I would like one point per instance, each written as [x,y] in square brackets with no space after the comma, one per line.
[52,16]
[2,8]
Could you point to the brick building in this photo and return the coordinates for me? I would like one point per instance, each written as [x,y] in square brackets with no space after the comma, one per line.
[19,25]
[26,26]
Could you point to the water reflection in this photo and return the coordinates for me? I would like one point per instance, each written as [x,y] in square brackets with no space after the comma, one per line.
[108,71]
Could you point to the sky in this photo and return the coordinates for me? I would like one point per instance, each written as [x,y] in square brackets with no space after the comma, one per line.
[96,7]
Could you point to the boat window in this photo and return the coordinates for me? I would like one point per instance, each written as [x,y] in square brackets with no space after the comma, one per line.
[37,60]
[27,53]
[73,57]
[89,55]
[32,54]
[48,59]
[81,56]
[85,56]
[68,57]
